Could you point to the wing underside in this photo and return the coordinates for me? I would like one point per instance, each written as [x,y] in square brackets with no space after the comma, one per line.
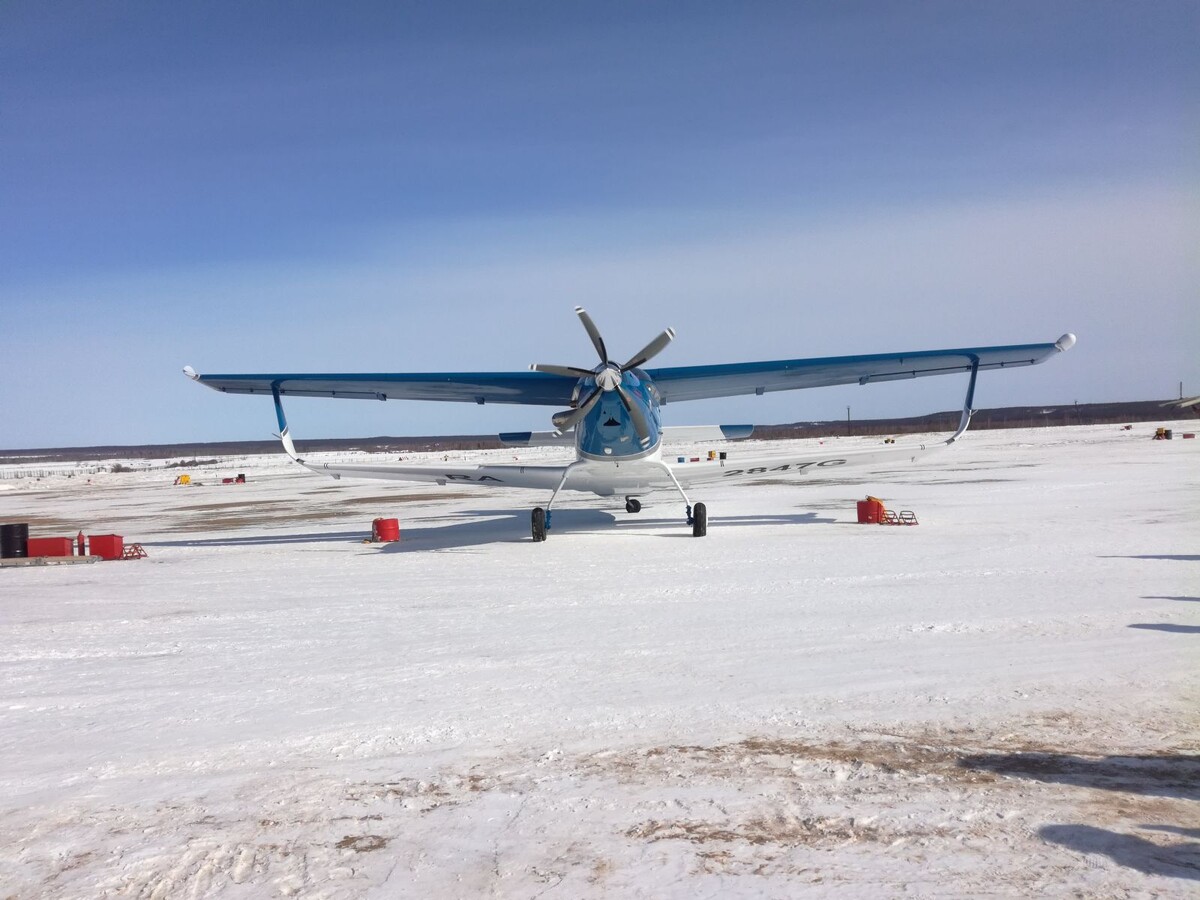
[532,388]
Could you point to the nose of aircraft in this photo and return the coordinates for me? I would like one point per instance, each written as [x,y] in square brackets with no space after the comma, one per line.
[609,378]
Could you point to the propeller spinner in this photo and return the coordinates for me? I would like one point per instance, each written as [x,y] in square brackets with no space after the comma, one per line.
[608,376]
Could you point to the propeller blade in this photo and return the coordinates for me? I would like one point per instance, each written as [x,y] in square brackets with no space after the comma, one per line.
[566,371]
[640,425]
[650,351]
[565,420]
[593,332]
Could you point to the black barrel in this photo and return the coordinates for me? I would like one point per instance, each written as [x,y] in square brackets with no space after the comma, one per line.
[14,541]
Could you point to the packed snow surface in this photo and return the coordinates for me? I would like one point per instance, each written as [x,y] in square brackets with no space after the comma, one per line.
[1001,700]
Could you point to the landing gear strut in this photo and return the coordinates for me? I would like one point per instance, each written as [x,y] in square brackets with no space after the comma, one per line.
[541,517]
[697,516]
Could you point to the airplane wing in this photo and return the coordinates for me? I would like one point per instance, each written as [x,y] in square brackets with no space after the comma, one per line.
[703,382]
[816,461]
[536,388]
[674,384]
[544,477]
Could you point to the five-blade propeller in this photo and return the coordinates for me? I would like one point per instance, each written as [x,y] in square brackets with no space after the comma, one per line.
[608,377]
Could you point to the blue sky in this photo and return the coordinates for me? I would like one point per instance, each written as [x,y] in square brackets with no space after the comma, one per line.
[422,187]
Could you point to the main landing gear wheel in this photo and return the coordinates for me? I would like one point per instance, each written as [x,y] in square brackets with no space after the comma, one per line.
[539,524]
[632,505]
[699,520]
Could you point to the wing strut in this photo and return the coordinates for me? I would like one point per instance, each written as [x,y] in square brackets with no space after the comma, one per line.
[283,435]
[967,412]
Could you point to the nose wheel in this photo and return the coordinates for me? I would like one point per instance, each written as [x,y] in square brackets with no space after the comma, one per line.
[633,505]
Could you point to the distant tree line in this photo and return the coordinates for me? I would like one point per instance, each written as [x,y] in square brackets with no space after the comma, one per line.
[1008,417]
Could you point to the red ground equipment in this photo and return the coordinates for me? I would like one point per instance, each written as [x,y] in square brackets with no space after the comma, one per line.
[385,530]
[107,546]
[870,511]
[50,546]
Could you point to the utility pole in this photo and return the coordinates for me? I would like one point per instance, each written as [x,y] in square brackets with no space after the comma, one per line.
[847,421]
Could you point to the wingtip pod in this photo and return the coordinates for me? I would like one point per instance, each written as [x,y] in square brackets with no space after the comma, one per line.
[191,373]
[1065,343]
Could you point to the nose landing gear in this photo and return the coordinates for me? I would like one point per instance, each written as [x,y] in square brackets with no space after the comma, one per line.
[697,516]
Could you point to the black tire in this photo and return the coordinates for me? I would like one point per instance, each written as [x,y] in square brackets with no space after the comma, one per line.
[539,524]
[699,520]
[632,505]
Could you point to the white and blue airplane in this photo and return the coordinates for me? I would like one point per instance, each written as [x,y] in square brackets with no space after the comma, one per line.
[613,415]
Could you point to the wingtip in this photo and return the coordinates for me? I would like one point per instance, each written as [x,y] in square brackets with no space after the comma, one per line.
[1065,343]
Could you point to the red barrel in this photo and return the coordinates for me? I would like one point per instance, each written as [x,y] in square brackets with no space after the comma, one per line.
[385,530]
[870,511]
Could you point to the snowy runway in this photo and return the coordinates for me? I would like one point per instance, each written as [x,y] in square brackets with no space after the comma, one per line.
[1002,699]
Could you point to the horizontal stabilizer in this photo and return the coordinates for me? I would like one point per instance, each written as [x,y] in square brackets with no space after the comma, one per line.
[539,477]
[1183,403]
[701,433]
[536,438]
[677,434]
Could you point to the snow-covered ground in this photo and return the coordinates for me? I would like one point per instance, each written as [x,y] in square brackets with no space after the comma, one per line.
[1002,700]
